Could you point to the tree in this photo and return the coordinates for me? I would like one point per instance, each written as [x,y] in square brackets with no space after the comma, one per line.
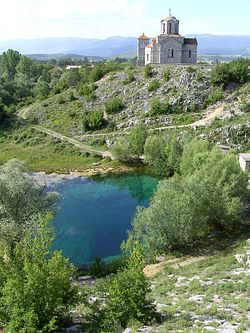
[187,208]
[121,150]
[136,140]
[127,295]
[36,289]
[21,201]
[163,154]
[8,63]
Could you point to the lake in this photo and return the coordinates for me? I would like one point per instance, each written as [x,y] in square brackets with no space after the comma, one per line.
[94,215]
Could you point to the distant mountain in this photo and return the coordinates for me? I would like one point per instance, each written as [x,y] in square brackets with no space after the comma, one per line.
[113,46]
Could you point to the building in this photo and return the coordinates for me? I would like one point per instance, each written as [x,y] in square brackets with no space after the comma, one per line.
[167,48]
[244,160]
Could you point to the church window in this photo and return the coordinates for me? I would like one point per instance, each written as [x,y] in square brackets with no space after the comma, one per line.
[170,28]
[147,57]
[172,53]
[189,53]
[164,28]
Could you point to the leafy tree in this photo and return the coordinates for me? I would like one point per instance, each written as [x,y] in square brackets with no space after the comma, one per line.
[136,140]
[114,105]
[187,208]
[21,201]
[148,71]
[93,120]
[121,150]
[163,154]
[8,63]
[158,107]
[127,295]
[36,287]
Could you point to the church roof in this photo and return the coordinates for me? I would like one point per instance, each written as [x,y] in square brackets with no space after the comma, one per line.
[170,17]
[143,37]
[190,41]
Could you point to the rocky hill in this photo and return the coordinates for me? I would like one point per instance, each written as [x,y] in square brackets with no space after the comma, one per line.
[193,105]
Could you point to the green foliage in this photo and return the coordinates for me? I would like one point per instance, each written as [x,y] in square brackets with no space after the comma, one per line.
[154,85]
[114,105]
[136,140]
[245,107]
[121,150]
[158,107]
[127,295]
[166,75]
[130,77]
[184,209]
[163,154]
[191,69]
[93,120]
[234,71]
[215,96]
[21,201]
[36,290]
[148,71]
[87,90]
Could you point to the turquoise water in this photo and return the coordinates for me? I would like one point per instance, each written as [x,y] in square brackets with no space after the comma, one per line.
[93,216]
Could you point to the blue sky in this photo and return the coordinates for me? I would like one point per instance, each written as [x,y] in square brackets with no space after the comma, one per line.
[104,18]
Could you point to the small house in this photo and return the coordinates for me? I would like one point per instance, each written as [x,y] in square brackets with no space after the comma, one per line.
[244,160]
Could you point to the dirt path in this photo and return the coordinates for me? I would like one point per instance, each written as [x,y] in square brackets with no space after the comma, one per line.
[73,141]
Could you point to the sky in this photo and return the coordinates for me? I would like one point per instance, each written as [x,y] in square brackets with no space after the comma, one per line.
[103,18]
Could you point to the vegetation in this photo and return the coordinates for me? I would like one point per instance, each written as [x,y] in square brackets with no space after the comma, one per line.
[93,120]
[148,71]
[163,154]
[234,71]
[207,197]
[114,105]
[36,289]
[215,96]
[158,107]
[154,85]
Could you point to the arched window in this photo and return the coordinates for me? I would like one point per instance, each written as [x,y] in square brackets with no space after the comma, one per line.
[189,53]
[172,53]
[170,28]
[164,28]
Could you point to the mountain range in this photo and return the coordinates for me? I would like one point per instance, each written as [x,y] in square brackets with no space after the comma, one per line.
[116,45]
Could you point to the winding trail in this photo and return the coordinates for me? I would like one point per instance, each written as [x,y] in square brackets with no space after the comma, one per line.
[73,141]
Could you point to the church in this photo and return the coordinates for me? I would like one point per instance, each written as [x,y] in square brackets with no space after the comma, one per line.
[167,48]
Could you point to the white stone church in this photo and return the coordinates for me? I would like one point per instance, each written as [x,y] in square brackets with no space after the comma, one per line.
[167,48]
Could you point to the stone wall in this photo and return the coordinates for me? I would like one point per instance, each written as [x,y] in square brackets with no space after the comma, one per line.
[141,44]
[189,54]
[166,47]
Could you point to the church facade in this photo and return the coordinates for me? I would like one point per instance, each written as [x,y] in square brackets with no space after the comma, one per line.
[167,48]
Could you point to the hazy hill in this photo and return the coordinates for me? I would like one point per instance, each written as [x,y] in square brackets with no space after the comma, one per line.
[113,46]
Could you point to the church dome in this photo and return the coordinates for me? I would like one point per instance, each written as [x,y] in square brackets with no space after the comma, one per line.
[171,17]
[143,37]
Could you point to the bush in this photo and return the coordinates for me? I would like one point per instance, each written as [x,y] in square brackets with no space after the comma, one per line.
[136,140]
[154,85]
[215,96]
[234,71]
[127,296]
[245,107]
[148,71]
[166,75]
[163,154]
[36,289]
[114,105]
[130,78]
[187,208]
[121,150]
[87,90]
[157,107]
[191,69]
[93,120]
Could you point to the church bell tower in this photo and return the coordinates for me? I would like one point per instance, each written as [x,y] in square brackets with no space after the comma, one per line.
[170,25]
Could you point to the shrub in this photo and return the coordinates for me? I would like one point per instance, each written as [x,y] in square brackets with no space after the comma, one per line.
[36,289]
[234,71]
[127,295]
[61,100]
[148,71]
[130,77]
[87,90]
[93,120]
[121,150]
[166,75]
[215,96]
[114,105]
[191,69]
[157,107]
[245,107]
[136,140]
[154,85]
